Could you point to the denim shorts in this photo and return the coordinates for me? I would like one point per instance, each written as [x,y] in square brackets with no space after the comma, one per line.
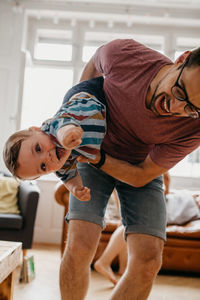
[142,209]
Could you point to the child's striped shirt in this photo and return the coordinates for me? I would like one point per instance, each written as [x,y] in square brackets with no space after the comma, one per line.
[86,111]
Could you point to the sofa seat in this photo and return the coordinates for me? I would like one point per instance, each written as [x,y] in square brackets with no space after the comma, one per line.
[190,230]
[182,249]
[11,221]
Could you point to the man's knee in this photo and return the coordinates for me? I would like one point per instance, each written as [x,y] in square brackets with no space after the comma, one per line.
[147,259]
[80,247]
[151,262]
[77,256]
[147,265]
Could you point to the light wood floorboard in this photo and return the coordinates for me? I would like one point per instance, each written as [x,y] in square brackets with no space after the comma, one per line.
[45,286]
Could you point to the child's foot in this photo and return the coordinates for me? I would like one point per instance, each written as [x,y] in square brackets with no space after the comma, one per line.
[105,271]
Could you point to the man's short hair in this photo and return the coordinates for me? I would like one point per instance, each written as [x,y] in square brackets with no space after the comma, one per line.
[194,58]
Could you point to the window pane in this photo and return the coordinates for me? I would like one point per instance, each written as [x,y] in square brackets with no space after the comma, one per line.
[177,54]
[186,168]
[56,34]
[44,90]
[188,42]
[185,43]
[88,52]
[52,51]
[103,37]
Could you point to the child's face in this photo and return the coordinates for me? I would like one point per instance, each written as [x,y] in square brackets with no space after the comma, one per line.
[38,156]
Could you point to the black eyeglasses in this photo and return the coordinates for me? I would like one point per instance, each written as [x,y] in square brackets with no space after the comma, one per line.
[180,94]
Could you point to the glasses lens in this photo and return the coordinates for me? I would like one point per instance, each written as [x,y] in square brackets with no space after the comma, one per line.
[191,112]
[178,93]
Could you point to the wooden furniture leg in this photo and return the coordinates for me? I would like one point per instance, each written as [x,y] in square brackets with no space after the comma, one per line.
[6,287]
[10,258]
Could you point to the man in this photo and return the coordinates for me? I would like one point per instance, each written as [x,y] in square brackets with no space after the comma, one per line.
[153,123]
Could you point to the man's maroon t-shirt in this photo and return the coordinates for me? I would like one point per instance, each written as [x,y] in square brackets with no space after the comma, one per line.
[133,131]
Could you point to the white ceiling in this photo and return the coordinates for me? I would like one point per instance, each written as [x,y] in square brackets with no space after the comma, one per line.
[187,11]
[144,2]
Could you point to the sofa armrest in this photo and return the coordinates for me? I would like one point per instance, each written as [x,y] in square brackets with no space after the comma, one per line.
[62,195]
[28,196]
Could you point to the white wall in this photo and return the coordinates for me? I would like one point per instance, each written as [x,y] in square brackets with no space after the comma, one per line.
[49,219]
[48,226]
[11,32]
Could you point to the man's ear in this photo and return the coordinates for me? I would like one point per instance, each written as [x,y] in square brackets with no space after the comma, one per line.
[182,57]
[34,128]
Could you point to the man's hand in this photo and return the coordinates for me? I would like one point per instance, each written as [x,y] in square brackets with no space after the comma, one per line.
[70,136]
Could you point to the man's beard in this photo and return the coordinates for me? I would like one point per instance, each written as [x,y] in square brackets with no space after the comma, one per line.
[151,105]
[154,98]
[166,99]
[164,105]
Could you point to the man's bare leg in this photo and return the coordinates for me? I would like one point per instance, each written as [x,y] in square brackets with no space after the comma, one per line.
[144,262]
[115,245]
[82,241]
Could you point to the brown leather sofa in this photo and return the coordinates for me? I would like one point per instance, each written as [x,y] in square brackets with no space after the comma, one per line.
[181,251]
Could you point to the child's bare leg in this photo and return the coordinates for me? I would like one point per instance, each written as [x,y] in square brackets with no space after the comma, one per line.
[103,264]
[105,269]
[122,260]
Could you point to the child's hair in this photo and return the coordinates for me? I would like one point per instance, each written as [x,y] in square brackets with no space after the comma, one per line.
[12,148]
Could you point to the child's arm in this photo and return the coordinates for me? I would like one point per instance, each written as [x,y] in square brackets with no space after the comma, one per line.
[69,136]
[75,186]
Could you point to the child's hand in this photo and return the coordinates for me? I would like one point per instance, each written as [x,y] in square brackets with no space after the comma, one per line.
[82,193]
[75,186]
[72,137]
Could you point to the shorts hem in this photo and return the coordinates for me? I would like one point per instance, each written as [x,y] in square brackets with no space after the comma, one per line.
[84,217]
[144,230]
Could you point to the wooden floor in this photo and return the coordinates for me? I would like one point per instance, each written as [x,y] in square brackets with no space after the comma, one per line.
[45,285]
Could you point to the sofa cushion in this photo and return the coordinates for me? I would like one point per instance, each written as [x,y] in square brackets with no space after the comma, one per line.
[181,207]
[11,221]
[189,231]
[8,195]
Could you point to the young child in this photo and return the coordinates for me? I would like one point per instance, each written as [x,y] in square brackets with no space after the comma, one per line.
[78,128]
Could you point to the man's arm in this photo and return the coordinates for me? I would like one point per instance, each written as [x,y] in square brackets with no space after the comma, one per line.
[90,71]
[135,175]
